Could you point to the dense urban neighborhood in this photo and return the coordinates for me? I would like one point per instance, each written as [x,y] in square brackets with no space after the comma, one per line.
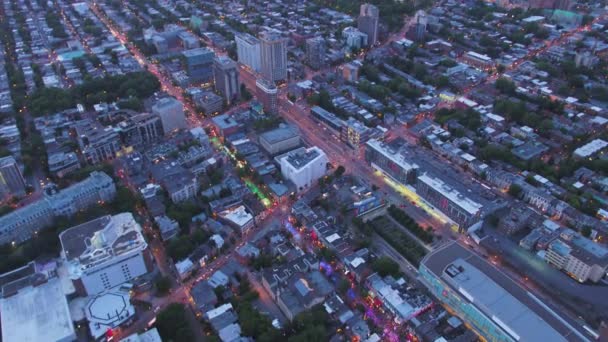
[304,170]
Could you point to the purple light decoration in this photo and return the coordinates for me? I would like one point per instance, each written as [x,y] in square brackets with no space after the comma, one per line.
[292,230]
[351,293]
[391,335]
[326,267]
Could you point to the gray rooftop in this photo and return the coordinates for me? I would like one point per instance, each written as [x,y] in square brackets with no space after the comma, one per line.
[279,134]
[520,313]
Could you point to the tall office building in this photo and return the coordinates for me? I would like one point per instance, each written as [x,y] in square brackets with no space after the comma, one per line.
[267,94]
[368,22]
[226,78]
[248,51]
[199,64]
[354,38]
[274,56]
[171,113]
[11,179]
[315,52]
[417,31]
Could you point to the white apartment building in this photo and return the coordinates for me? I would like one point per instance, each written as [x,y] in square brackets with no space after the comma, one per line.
[577,256]
[104,253]
[248,51]
[304,168]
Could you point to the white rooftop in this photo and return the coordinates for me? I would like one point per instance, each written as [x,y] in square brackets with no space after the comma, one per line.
[394,156]
[590,148]
[211,314]
[108,310]
[452,194]
[37,313]
[238,215]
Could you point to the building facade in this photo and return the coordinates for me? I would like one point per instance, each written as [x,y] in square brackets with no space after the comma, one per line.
[492,304]
[354,38]
[105,252]
[226,78]
[96,142]
[267,93]
[171,113]
[141,130]
[315,52]
[21,224]
[12,183]
[454,204]
[199,64]
[303,169]
[390,162]
[577,256]
[273,54]
[280,140]
[248,51]
[369,16]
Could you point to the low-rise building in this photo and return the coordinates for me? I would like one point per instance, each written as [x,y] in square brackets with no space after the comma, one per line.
[20,224]
[591,149]
[489,302]
[280,140]
[478,60]
[34,307]
[203,298]
[108,310]
[239,218]
[453,203]
[180,183]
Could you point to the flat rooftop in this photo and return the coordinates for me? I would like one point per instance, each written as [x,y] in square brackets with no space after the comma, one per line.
[279,134]
[590,148]
[37,313]
[99,240]
[452,194]
[301,159]
[520,313]
[391,153]
[246,37]
[197,52]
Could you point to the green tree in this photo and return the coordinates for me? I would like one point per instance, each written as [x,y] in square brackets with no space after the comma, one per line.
[505,86]
[586,231]
[385,266]
[162,285]
[515,190]
[339,171]
[173,325]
